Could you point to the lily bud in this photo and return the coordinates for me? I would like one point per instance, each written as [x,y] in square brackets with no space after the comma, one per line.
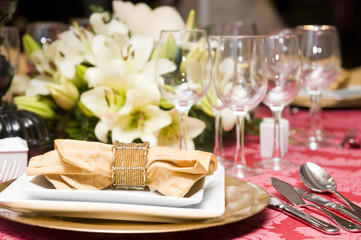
[80,72]
[164,104]
[190,20]
[35,105]
[64,94]
[30,45]
[168,50]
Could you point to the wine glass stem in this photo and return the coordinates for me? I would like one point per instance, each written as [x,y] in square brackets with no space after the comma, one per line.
[218,140]
[277,151]
[315,133]
[183,129]
[239,158]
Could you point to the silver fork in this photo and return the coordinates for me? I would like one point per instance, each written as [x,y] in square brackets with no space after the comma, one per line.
[9,171]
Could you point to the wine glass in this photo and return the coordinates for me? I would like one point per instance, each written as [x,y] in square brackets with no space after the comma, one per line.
[11,47]
[321,63]
[45,31]
[241,83]
[186,56]
[232,28]
[284,82]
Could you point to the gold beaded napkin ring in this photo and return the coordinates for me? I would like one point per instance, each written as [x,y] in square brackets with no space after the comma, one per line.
[129,165]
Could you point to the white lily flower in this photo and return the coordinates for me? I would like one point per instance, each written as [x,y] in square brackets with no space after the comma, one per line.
[104,102]
[112,75]
[70,49]
[103,25]
[140,116]
[135,15]
[41,62]
[116,66]
[169,136]
[138,53]
[105,49]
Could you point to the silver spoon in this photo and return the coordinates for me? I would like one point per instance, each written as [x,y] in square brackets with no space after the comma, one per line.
[318,180]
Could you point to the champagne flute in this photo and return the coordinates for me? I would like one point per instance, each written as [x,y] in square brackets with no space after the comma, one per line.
[285,78]
[321,59]
[186,53]
[241,84]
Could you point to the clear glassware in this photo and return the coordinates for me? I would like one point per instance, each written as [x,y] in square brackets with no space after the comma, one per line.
[284,82]
[45,31]
[217,107]
[231,28]
[241,83]
[12,47]
[187,55]
[321,63]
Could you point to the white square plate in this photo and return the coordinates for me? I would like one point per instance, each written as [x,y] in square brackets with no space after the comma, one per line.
[40,187]
[17,198]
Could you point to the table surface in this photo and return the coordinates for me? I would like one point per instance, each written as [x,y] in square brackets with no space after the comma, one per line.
[343,164]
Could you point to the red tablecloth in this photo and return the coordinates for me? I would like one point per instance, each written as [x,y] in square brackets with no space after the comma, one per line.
[343,164]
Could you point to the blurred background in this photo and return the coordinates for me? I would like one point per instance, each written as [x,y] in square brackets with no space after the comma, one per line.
[269,15]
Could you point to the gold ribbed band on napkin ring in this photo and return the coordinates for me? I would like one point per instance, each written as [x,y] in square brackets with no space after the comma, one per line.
[129,165]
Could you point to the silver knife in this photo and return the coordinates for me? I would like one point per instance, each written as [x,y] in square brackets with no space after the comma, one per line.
[290,193]
[304,217]
[329,204]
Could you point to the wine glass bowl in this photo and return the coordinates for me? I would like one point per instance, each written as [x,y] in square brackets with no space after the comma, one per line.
[45,31]
[285,78]
[321,57]
[240,74]
[241,83]
[187,55]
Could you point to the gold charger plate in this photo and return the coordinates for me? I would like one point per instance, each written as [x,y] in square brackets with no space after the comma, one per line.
[303,101]
[243,200]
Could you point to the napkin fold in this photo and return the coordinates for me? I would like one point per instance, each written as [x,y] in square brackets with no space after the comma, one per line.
[85,165]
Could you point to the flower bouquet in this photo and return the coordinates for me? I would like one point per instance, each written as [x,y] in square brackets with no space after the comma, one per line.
[98,84]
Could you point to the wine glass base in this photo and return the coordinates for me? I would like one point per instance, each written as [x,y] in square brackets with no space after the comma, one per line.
[241,171]
[314,145]
[225,162]
[276,164]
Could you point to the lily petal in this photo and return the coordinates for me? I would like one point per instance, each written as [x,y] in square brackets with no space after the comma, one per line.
[95,100]
[228,119]
[39,86]
[102,24]
[101,131]
[135,15]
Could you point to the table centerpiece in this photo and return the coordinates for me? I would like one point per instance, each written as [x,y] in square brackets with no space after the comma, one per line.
[97,83]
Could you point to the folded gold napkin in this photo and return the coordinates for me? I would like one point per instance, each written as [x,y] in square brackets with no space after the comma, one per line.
[85,165]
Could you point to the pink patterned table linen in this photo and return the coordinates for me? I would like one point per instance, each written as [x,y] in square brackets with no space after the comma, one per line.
[344,165]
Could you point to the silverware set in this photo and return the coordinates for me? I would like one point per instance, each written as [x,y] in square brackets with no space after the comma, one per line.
[318,180]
